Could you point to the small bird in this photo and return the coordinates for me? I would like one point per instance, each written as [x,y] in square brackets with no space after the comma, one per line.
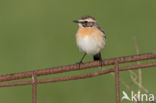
[90,38]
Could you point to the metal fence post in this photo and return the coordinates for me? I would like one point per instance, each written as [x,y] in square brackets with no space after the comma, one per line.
[34,88]
[117,83]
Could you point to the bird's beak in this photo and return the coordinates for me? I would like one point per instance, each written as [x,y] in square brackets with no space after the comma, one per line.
[75,21]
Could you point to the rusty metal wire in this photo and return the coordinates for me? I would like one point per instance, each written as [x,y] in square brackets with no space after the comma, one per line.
[82,76]
[60,69]
[73,67]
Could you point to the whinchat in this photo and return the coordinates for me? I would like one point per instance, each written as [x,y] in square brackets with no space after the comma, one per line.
[90,38]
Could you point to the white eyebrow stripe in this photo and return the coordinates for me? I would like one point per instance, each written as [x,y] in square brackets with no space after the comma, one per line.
[89,20]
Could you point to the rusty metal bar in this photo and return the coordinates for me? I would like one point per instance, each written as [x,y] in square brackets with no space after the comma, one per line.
[117,84]
[82,76]
[34,88]
[73,67]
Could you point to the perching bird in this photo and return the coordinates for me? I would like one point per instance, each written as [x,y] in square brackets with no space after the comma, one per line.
[90,38]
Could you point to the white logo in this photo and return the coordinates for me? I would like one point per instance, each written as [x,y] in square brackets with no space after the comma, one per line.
[138,97]
[125,96]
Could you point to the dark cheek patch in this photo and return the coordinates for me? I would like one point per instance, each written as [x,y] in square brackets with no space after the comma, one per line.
[89,24]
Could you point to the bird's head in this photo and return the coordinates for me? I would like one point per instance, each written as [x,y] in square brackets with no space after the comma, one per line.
[86,21]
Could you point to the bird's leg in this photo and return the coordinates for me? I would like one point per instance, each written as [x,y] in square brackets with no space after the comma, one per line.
[81,61]
[82,58]
[101,62]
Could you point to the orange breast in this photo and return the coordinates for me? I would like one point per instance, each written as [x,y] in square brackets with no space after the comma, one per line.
[86,31]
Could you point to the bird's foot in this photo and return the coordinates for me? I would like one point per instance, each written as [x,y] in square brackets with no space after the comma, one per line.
[101,63]
[79,63]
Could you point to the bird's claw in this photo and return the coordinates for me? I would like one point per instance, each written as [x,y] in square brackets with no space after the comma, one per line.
[101,63]
[79,63]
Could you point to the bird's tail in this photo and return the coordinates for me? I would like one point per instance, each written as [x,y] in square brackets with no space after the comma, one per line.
[97,57]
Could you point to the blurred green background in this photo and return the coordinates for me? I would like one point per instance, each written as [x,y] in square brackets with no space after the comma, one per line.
[37,34]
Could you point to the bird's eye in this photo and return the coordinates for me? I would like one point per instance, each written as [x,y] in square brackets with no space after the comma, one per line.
[85,22]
